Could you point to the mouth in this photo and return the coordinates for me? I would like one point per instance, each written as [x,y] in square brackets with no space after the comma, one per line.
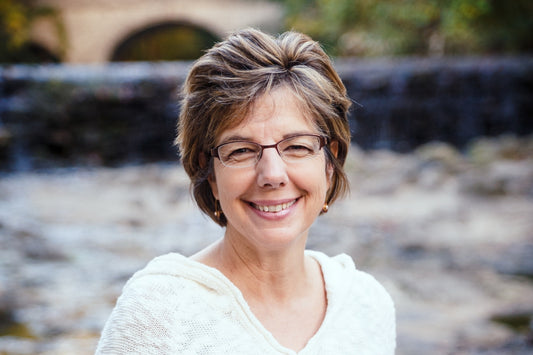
[273,208]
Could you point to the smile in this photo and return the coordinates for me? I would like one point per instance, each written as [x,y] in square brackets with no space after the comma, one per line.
[273,208]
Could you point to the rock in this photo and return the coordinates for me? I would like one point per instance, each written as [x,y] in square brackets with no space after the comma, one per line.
[516,260]
[483,151]
[442,154]
[500,166]
[5,137]
[383,172]
[501,177]
[35,246]
[7,309]
[519,320]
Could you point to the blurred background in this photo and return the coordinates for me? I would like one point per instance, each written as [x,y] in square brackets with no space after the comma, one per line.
[441,165]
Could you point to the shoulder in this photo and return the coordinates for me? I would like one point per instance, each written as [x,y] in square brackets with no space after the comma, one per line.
[342,277]
[178,306]
[359,307]
[167,281]
[152,303]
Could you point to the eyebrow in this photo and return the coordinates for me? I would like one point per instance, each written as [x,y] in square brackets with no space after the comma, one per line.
[237,138]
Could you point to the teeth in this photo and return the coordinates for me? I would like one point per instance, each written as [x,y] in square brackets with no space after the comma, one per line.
[274,208]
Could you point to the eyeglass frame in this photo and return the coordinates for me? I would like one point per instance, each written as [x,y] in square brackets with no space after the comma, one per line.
[323,141]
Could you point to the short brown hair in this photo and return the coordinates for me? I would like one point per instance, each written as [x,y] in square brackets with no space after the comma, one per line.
[224,83]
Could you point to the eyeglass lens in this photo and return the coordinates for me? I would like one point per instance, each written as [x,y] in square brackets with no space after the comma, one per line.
[292,149]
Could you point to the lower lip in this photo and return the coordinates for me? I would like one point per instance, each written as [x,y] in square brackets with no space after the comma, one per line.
[274,216]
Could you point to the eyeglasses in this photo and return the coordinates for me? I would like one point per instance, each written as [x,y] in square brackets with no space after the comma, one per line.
[242,154]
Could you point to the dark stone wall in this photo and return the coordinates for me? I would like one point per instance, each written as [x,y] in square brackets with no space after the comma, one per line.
[61,116]
[405,103]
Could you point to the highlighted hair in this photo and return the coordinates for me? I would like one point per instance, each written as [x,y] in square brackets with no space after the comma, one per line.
[223,84]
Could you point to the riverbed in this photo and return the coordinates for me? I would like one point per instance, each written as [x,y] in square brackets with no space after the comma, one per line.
[449,234]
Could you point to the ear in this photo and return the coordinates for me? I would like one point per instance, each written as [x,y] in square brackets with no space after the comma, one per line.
[334,148]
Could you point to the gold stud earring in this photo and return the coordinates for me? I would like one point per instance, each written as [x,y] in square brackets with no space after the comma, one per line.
[325,208]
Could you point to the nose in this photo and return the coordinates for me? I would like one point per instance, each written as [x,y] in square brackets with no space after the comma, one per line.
[271,170]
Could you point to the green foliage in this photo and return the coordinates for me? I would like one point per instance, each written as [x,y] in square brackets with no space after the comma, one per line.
[424,27]
[16,20]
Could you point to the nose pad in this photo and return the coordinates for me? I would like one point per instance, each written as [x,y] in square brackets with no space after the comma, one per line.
[271,169]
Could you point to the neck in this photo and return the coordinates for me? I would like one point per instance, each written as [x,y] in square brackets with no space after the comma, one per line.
[286,281]
[274,275]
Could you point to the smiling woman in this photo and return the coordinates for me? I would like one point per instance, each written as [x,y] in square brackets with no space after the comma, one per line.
[253,198]
[263,134]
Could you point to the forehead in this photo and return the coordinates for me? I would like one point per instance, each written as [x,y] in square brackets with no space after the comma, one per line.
[273,115]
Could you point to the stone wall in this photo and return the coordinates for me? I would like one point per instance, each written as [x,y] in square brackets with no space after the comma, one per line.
[61,116]
[106,115]
[408,102]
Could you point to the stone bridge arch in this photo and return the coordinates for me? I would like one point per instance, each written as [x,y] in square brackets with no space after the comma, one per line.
[170,40]
[94,28]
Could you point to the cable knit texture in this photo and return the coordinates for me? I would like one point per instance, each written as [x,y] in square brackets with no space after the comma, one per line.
[179,306]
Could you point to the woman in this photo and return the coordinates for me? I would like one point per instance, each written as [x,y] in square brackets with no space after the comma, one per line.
[263,135]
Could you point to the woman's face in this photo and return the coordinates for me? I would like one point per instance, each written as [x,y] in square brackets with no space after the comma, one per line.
[272,204]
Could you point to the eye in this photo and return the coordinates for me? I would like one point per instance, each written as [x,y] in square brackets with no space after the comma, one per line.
[241,151]
[298,148]
[238,151]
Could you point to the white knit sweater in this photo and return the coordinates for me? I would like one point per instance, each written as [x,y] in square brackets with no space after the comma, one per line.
[179,306]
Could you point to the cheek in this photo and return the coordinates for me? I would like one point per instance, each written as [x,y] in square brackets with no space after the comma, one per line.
[314,177]
[226,184]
